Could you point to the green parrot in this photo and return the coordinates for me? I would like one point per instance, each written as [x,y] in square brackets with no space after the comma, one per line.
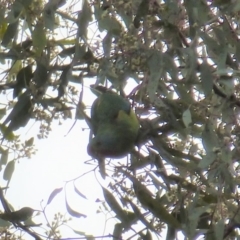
[114,125]
[21,215]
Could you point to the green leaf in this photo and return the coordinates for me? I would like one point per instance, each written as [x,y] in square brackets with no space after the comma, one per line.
[146,199]
[26,3]
[64,78]
[84,17]
[237,53]
[112,202]
[228,85]
[49,18]
[79,193]
[54,193]
[190,5]
[107,41]
[207,78]
[7,175]
[209,138]
[106,22]
[74,213]
[3,112]
[207,160]
[16,9]
[29,142]
[219,229]
[221,58]
[4,158]
[187,118]
[117,232]
[39,38]
[193,218]
[155,66]
[10,33]
[7,133]
[79,232]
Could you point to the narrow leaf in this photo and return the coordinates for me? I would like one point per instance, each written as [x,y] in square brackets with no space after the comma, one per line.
[209,138]
[9,135]
[112,202]
[3,112]
[9,170]
[53,194]
[79,232]
[219,229]
[10,33]
[207,160]
[72,212]
[117,232]
[84,18]
[107,41]
[4,158]
[155,66]
[39,38]
[79,193]
[207,78]
[145,198]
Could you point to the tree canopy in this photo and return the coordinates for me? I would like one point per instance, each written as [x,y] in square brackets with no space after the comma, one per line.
[180,61]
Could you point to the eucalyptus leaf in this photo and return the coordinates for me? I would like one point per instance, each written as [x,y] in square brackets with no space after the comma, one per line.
[219,229]
[207,78]
[72,212]
[10,33]
[79,193]
[8,172]
[155,67]
[53,194]
[4,158]
[209,138]
[207,160]
[84,18]
[39,38]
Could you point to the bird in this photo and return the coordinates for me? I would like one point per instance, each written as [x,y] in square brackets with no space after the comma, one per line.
[115,126]
[18,216]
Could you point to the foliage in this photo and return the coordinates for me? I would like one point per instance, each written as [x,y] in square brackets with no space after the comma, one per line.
[183,58]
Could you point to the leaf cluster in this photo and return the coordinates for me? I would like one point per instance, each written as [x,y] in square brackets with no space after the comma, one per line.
[183,59]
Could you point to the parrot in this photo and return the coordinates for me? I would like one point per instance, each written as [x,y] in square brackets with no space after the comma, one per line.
[21,215]
[114,125]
